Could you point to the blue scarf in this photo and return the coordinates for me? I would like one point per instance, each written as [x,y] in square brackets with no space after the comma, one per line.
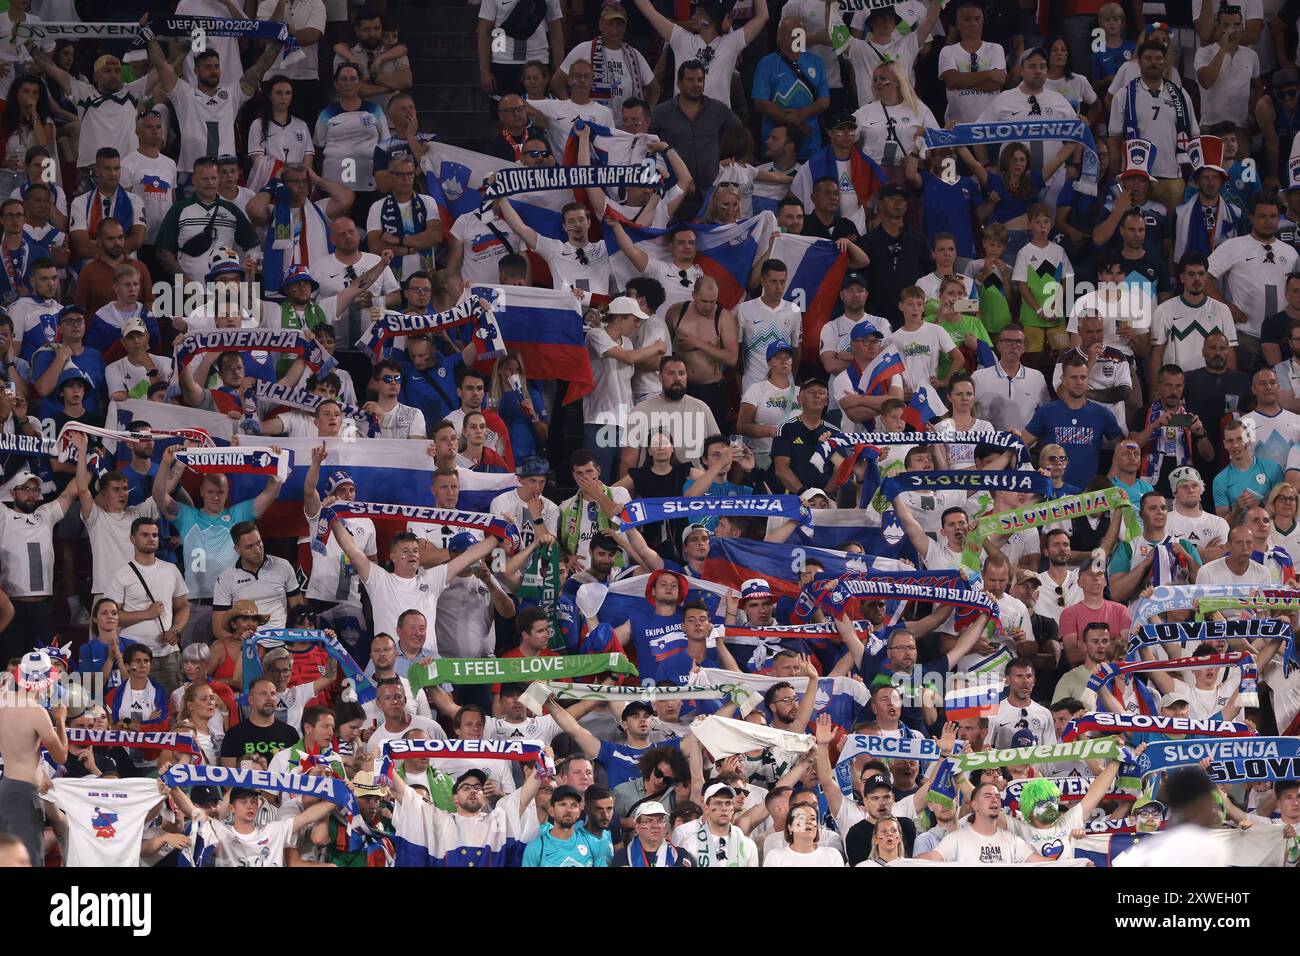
[1232,759]
[1104,722]
[848,587]
[1227,220]
[1183,128]
[253,664]
[390,223]
[636,856]
[1196,632]
[247,340]
[304,401]
[488,341]
[515,181]
[332,789]
[277,250]
[1027,131]
[185,27]
[28,446]
[1032,482]
[651,510]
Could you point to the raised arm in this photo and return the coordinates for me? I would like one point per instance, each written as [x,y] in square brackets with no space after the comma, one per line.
[349,545]
[664,27]
[583,737]
[755,26]
[916,536]
[163,483]
[511,218]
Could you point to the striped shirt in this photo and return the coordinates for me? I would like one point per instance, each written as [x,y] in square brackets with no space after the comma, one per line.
[190,218]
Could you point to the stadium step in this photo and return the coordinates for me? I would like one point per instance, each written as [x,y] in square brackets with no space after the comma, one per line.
[442,48]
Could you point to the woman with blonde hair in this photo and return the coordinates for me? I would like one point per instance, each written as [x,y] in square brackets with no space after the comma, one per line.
[725,206]
[1012,189]
[886,843]
[1282,507]
[521,405]
[893,124]
[201,714]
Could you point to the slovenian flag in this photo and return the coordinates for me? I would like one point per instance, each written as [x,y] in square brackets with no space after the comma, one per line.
[887,366]
[725,252]
[968,703]
[924,407]
[816,272]
[545,326]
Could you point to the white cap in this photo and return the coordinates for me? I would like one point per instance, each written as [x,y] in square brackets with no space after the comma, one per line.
[808,494]
[710,793]
[625,305]
[134,324]
[651,808]
[19,478]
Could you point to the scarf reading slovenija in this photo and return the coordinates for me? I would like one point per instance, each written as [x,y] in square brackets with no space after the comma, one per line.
[266,340]
[518,180]
[1050,512]
[237,461]
[365,689]
[1032,482]
[514,670]
[1106,722]
[1231,761]
[1095,748]
[419,514]
[520,751]
[488,342]
[1026,131]
[1107,672]
[328,788]
[189,27]
[1194,632]
[140,740]
[652,510]
[303,401]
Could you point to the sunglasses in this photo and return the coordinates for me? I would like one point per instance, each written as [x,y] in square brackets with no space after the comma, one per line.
[537,153]
[1057,458]
[391,379]
[1288,92]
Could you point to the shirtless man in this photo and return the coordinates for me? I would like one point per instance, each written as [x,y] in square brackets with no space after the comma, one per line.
[25,727]
[707,338]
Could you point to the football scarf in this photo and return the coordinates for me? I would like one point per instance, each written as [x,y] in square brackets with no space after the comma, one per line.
[121,435]
[1194,632]
[64,30]
[188,27]
[486,524]
[290,341]
[514,670]
[1281,560]
[602,87]
[1032,482]
[1106,722]
[651,510]
[1263,600]
[637,856]
[849,587]
[303,401]
[1231,760]
[538,693]
[332,789]
[911,747]
[515,181]
[238,460]
[1182,440]
[1028,131]
[1182,125]
[392,224]
[1095,748]
[29,446]
[1205,230]
[278,252]
[1168,598]
[487,335]
[1072,788]
[725,737]
[1050,512]
[355,678]
[139,740]
[519,751]
[1109,671]
[121,210]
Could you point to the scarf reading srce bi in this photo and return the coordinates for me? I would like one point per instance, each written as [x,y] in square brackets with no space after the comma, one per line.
[487,524]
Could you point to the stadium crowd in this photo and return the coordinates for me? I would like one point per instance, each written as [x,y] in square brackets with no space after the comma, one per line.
[366,503]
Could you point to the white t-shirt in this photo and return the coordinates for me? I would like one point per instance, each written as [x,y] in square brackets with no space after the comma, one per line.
[920,351]
[1009,402]
[822,856]
[865,55]
[772,406]
[1078,92]
[889,132]
[539,727]
[1053,841]
[105,818]
[568,272]
[718,58]
[232,68]
[165,584]
[1218,572]
[265,846]
[964,845]
[332,576]
[107,120]
[1275,435]
[1009,719]
[24,541]
[1017,103]
[207,122]
[124,376]
[760,326]
[611,399]
[626,72]
[152,179]
[290,143]
[351,134]
[334,277]
[299,15]
[562,114]
[391,596]
[1200,529]
[483,249]
[1155,123]
[1228,100]
[535,47]
[1254,284]
[966,106]
[961,456]
[110,541]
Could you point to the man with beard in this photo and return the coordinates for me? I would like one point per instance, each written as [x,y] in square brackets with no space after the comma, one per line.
[695,121]
[1030,99]
[304,308]
[685,419]
[344,267]
[1215,394]
[1252,270]
[564,841]
[393,75]
[287,212]
[27,561]
[259,734]
[516,130]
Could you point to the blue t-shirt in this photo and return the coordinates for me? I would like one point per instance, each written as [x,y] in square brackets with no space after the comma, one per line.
[139,488]
[523,440]
[580,849]
[776,82]
[206,544]
[619,760]
[1079,431]
[1009,206]
[658,638]
[1259,480]
[1108,61]
[946,207]
[433,390]
[89,361]
[1134,491]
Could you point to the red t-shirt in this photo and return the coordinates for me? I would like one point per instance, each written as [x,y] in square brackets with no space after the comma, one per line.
[1077,616]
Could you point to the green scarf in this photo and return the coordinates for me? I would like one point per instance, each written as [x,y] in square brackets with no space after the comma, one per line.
[514,670]
[571,518]
[1051,512]
[1097,748]
[313,316]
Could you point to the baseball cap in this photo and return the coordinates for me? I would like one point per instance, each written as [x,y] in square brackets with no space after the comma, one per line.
[68,310]
[812,380]
[874,782]
[565,792]
[692,528]
[336,479]
[755,588]
[474,772]
[719,790]
[853,278]
[461,541]
[106,60]
[273,655]
[1173,697]
[865,330]
[638,707]
[808,494]
[777,347]
[626,305]
[1185,473]
[1034,51]
[651,808]
[1024,575]
[894,189]
[134,324]
[611,10]
[841,118]
[533,466]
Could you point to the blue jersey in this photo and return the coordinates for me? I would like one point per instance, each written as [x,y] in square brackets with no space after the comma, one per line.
[657,638]
[1108,60]
[777,82]
[432,390]
[580,849]
[1258,479]
[1079,431]
[946,207]
[90,361]
[619,760]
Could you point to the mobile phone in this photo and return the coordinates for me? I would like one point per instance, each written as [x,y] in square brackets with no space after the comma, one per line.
[1180,421]
[966,305]
[11,390]
[737,441]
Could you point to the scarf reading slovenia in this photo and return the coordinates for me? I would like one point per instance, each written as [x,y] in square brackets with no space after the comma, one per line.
[482,522]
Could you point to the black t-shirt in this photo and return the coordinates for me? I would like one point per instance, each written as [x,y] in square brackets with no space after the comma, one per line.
[1275,330]
[896,263]
[107,759]
[798,442]
[1150,267]
[646,484]
[840,228]
[1213,398]
[246,739]
[857,842]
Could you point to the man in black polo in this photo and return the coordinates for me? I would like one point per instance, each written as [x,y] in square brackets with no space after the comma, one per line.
[899,255]
[797,460]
